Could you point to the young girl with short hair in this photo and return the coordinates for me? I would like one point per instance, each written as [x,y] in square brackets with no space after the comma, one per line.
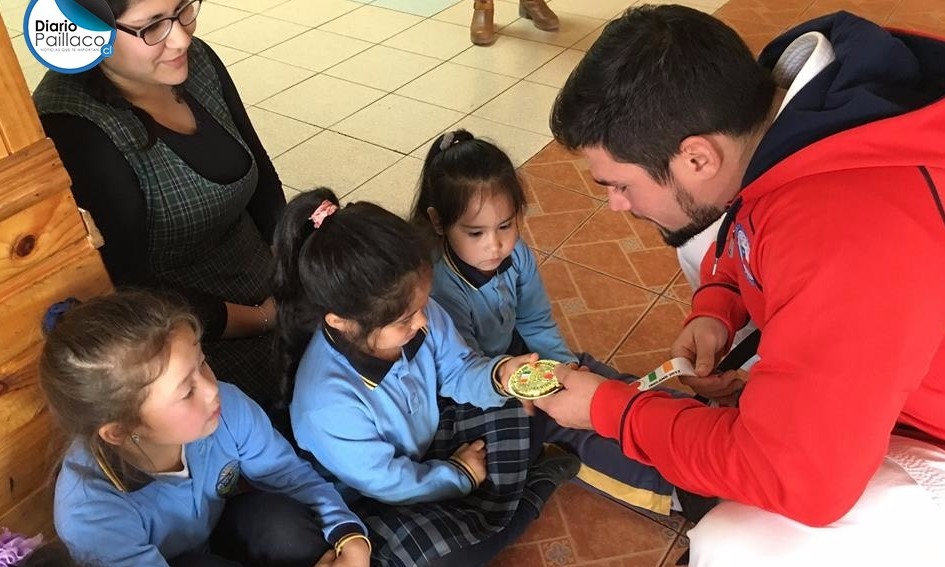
[413,425]
[158,448]
[486,277]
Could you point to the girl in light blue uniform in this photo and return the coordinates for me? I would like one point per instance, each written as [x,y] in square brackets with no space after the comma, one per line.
[414,426]
[152,475]
[487,279]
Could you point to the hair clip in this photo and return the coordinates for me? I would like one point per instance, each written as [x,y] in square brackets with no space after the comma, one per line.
[56,311]
[447,141]
[324,210]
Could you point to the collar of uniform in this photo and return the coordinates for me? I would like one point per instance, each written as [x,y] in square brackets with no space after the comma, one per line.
[473,277]
[372,370]
[124,477]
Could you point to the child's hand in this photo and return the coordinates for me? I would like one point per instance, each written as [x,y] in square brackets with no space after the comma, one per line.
[355,553]
[327,559]
[507,368]
[474,456]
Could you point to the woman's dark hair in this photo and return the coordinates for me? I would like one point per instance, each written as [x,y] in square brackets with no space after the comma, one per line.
[657,75]
[362,263]
[458,168]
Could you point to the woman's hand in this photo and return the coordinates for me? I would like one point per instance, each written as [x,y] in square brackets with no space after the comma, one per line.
[268,309]
[250,320]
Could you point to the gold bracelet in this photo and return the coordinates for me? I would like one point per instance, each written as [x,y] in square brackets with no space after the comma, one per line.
[265,318]
[350,537]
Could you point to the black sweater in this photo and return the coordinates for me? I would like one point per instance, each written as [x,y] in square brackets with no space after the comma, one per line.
[105,184]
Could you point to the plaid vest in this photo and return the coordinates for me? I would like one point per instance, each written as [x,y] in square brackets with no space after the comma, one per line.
[199,233]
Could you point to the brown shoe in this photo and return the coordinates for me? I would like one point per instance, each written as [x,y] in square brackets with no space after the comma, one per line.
[539,13]
[482,30]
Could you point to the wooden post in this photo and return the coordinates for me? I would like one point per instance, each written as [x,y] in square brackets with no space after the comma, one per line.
[18,128]
[45,256]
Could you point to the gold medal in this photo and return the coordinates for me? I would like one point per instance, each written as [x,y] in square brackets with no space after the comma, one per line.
[533,381]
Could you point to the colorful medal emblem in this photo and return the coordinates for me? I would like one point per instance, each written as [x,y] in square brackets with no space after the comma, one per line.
[533,381]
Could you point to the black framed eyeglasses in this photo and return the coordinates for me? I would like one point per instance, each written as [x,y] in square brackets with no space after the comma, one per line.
[158,30]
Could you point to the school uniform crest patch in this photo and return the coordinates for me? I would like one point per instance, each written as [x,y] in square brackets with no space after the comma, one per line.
[744,252]
[228,479]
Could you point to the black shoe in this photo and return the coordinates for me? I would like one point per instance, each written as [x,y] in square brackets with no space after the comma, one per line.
[552,469]
[694,506]
[554,466]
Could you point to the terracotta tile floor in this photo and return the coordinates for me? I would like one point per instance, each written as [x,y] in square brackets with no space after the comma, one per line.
[617,293]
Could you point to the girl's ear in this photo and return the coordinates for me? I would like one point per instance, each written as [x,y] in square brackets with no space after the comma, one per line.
[435,220]
[113,434]
[346,326]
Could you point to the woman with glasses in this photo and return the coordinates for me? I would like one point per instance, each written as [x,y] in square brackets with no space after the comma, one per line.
[162,153]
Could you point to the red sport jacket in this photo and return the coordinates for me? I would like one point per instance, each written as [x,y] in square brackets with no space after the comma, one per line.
[837,253]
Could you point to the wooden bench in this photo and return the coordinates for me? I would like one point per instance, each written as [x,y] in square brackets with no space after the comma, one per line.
[46,254]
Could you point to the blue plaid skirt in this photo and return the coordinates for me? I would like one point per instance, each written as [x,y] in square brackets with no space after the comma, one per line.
[415,534]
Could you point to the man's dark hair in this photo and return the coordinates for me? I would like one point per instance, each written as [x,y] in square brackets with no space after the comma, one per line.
[657,75]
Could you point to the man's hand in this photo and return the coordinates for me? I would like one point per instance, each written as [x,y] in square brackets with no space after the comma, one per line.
[702,343]
[723,388]
[571,407]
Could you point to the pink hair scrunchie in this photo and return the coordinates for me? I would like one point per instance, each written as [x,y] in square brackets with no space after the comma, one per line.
[324,210]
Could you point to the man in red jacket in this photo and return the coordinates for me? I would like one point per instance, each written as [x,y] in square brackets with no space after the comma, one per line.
[826,161]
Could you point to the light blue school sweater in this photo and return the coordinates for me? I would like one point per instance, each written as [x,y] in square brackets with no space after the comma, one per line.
[368,422]
[167,516]
[487,310]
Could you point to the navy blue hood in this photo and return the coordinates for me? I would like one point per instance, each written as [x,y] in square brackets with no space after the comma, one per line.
[877,74]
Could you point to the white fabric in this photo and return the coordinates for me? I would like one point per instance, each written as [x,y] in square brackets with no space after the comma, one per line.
[803,59]
[184,472]
[899,520]
[691,253]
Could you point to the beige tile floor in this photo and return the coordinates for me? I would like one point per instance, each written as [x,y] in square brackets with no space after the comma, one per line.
[348,94]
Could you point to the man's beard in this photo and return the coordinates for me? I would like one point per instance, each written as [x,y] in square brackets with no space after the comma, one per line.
[702,217]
